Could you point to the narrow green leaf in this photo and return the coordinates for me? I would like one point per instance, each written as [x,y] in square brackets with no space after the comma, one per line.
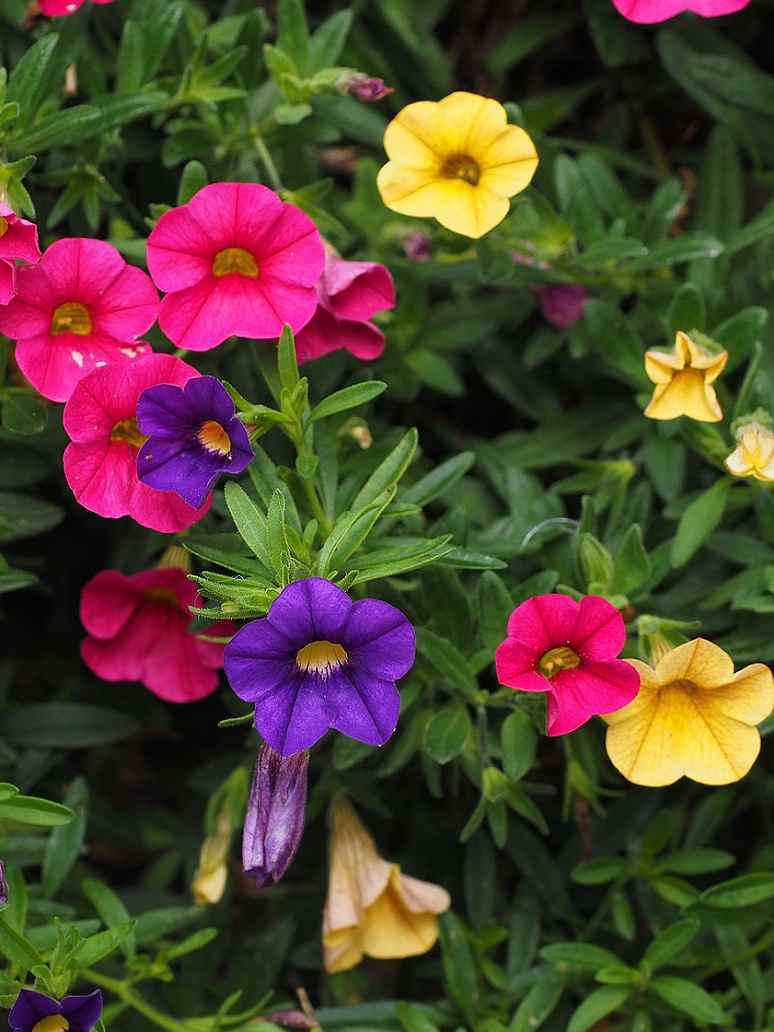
[389,472]
[698,521]
[348,398]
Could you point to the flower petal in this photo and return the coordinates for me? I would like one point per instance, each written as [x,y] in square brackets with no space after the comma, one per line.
[544,622]
[360,705]
[294,715]
[83,1012]
[379,639]
[515,664]
[599,632]
[107,602]
[415,138]
[31,1007]
[590,690]
[313,609]
[748,696]
[699,661]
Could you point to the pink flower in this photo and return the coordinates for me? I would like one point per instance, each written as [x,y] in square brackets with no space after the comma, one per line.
[348,294]
[569,650]
[79,308]
[58,8]
[562,304]
[236,261]
[138,631]
[18,242]
[100,464]
[364,87]
[649,11]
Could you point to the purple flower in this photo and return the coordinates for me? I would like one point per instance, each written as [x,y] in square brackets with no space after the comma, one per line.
[3,886]
[274,822]
[365,87]
[34,1012]
[418,247]
[193,437]
[320,661]
[562,304]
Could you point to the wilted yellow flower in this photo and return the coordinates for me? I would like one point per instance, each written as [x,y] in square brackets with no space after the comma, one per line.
[754,453]
[209,881]
[693,717]
[684,381]
[372,908]
[456,160]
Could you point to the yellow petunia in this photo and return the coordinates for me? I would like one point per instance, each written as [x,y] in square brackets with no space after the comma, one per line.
[754,453]
[684,379]
[372,908]
[694,717]
[456,160]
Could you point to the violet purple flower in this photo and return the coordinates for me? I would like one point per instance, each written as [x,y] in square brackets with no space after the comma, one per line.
[4,894]
[318,660]
[274,822]
[34,1012]
[193,436]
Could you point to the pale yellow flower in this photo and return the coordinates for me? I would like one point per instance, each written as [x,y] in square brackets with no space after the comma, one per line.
[456,160]
[209,881]
[693,717]
[372,908]
[754,453]
[684,379]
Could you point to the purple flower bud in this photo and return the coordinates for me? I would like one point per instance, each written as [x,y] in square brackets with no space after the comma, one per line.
[365,87]
[562,303]
[4,894]
[418,247]
[274,822]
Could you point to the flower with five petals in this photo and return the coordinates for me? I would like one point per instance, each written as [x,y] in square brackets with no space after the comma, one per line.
[683,380]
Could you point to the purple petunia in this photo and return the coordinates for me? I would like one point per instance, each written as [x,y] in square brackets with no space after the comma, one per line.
[193,436]
[74,1013]
[320,661]
[274,822]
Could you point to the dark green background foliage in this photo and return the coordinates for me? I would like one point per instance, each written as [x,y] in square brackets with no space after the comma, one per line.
[577,898]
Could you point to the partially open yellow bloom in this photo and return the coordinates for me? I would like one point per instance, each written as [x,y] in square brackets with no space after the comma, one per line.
[693,717]
[372,908]
[209,881]
[456,160]
[684,381]
[754,453]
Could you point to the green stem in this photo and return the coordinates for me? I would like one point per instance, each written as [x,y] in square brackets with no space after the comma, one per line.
[316,506]
[128,995]
[268,163]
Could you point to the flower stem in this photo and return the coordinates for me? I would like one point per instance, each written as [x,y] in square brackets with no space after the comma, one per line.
[134,999]
[268,163]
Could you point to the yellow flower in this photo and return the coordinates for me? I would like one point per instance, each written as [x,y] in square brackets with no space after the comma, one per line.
[693,717]
[754,453]
[684,381]
[209,881]
[456,160]
[372,908]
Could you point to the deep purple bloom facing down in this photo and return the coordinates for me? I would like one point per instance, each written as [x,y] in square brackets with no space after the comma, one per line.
[4,896]
[274,822]
[34,1012]
[193,437]
[320,661]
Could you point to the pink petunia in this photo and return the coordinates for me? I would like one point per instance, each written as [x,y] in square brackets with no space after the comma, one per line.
[646,12]
[59,8]
[348,295]
[79,308]
[235,261]
[139,631]
[100,464]
[562,304]
[18,242]
[568,649]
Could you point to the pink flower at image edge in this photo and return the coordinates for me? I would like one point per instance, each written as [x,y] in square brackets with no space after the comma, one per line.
[648,12]
[18,242]
[61,8]
[568,649]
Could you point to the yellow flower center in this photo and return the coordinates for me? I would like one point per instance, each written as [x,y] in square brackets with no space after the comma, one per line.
[164,596]
[127,432]
[461,166]
[3,225]
[72,317]
[214,438]
[53,1023]
[234,260]
[321,657]
[562,658]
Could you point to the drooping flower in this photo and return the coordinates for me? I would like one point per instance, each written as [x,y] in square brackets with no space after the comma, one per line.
[364,87]
[34,1012]
[320,661]
[209,880]
[649,11]
[694,717]
[568,649]
[100,464]
[235,261]
[456,160]
[18,243]
[372,908]
[754,452]
[193,436]
[348,295]
[274,822]
[562,304]
[79,308]
[59,8]
[138,630]
[684,379]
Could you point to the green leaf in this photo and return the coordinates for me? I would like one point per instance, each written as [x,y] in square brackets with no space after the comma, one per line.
[112,911]
[32,77]
[193,179]
[447,659]
[696,861]
[578,956]
[65,842]
[670,943]
[67,725]
[685,248]
[249,521]
[687,311]
[599,871]
[529,35]
[539,1003]
[130,65]
[350,531]
[698,522]
[388,562]
[745,891]
[447,733]
[286,359]
[17,948]
[293,32]
[412,1017]
[458,965]
[328,41]
[101,945]
[480,879]
[348,398]
[689,998]
[22,516]
[438,480]
[494,607]
[597,1006]
[157,924]
[632,565]
[24,414]
[388,472]
[31,810]
[519,742]
[276,539]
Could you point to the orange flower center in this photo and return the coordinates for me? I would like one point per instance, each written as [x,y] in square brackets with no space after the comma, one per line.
[214,438]
[321,657]
[127,432]
[53,1023]
[461,166]
[3,225]
[72,317]
[164,596]
[562,658]
[234,260]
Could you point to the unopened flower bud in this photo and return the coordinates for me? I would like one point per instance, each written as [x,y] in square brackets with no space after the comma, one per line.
[364,87]
[562,304]
[418,247]
[209,881]
[4,894]
[274,822]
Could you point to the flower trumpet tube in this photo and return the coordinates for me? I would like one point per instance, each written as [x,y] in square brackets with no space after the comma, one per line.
[274,822]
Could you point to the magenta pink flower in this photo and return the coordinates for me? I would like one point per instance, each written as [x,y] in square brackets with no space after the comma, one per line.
[569,650]
[562,304]
[649,11]
[79,308]
[100,464]
[348,295]
[18,242]
[58,8]
[236,261]
[139,631]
